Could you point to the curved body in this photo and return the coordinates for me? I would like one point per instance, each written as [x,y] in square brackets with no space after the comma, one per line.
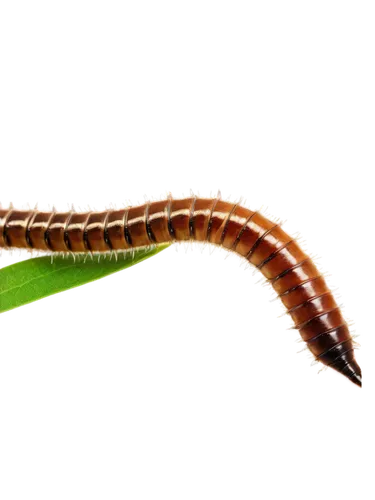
[263,243]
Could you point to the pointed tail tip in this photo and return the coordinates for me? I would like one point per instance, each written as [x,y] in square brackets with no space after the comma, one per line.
[354,374]
[348,366]
[356,379]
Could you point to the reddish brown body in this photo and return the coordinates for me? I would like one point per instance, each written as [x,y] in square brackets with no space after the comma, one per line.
[263,243]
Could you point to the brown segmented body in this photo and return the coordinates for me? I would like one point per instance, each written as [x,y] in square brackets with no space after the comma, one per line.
[261,242]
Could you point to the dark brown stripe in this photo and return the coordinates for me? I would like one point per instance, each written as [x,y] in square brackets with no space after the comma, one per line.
[306,301]
[324,333]
[47,239]
[66,233]
[149,231]
[28,226]
[242,230]
[273,254]
[170,227]
[47,232]
[284,273]
[210,219]
[86,242]
[126,228]
[298,286]
[105,231]
[259,241]
[302,325]
[191,219]
[225,229]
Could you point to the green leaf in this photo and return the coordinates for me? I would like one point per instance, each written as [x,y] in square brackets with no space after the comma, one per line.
[34,279]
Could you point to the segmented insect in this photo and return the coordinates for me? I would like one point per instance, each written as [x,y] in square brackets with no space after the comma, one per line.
[292,274]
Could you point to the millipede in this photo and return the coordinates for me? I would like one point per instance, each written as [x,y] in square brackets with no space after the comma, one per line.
[263,243]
